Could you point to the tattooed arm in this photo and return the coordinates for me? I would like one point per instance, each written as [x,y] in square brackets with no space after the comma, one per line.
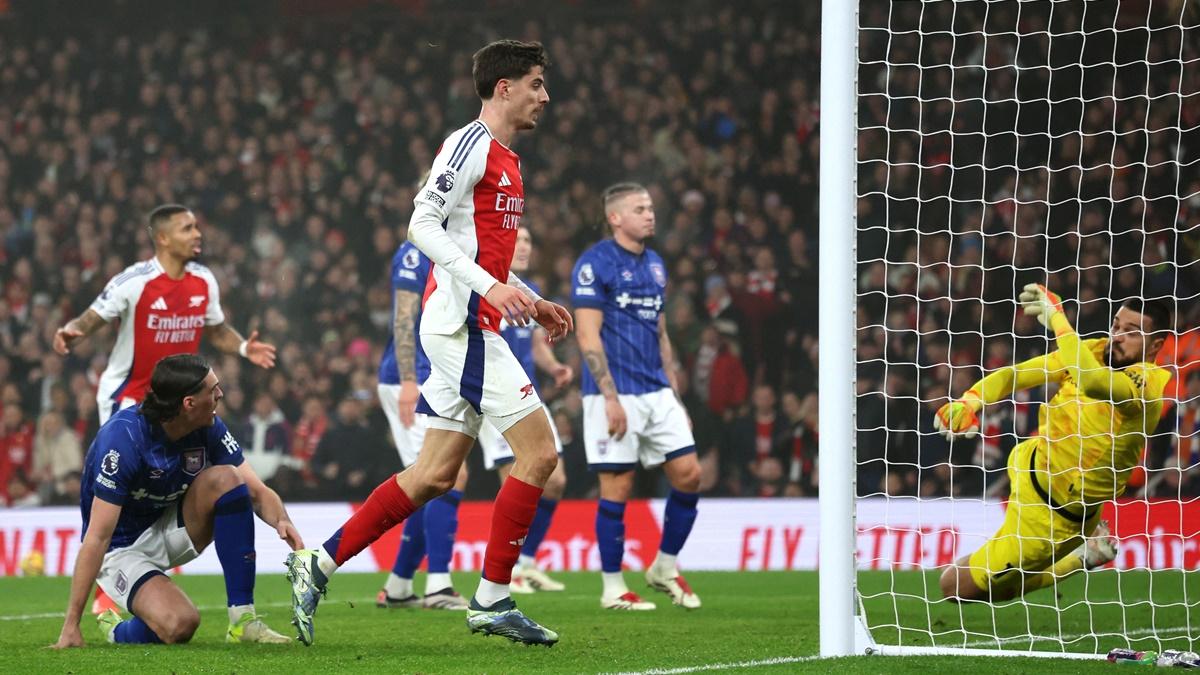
[404,329]
[80,327]
[668,356]
[588,323]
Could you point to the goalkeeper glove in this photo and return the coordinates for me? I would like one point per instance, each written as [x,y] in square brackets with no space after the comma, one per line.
[956,420]
[1039,301]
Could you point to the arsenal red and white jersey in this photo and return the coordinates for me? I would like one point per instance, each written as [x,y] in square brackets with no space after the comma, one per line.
[475,185]
[160,316]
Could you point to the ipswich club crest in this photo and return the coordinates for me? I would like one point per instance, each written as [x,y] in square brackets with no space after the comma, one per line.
[659,274]
[193,460]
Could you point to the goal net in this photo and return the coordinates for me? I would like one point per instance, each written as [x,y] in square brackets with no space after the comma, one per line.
[1001,144]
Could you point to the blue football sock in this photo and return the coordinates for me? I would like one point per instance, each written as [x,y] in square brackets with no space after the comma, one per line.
[539,526]
[679,516]
[233,534]
[412,546]
[610,534]
[441,525]
[134,631]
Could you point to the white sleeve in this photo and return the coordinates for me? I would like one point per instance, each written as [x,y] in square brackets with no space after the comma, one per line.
[426,233]
[117,298]
[457,168]
[214,315]
[515,282]
[459,165]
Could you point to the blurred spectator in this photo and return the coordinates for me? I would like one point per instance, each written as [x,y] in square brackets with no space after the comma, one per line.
[16,452]
[350,455]
[57,454]
[265,439]
[718,373]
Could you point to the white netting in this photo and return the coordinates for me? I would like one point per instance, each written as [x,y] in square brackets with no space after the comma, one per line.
[1002,144]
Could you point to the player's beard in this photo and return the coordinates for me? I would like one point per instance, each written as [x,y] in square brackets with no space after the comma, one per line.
[1112,361]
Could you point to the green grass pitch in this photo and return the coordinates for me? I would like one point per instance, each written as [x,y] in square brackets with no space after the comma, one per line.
[761,622]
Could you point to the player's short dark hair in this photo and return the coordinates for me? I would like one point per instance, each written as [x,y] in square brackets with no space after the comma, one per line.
[505,60]
[1155,309]
[161,215]
[174,378]
[618,190]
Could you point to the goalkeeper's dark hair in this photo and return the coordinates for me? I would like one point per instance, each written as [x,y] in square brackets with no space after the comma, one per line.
[1155,309]
[505,60]
[174,379]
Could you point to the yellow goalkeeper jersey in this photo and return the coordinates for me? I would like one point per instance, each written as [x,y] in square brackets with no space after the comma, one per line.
[1094,441]
[1092,432]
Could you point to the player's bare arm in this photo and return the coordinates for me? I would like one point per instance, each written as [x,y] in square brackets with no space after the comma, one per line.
[268,506]
[87,567]
[80,327]
[229,341]
[590,322]
[407,304]
[668,355]
[545,359]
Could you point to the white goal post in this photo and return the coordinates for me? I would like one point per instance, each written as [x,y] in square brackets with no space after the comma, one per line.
[946,158]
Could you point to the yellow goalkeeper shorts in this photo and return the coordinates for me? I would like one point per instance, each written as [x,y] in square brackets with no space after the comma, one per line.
[1033,535]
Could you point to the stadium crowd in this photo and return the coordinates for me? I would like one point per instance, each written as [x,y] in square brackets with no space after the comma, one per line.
[299,147]
[299,144]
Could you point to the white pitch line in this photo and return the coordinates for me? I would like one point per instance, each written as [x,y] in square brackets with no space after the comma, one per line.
[724,666]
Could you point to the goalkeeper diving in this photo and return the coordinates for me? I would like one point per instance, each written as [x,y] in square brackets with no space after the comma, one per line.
[1090,437]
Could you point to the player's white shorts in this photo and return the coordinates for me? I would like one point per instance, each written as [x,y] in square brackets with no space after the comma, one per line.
[408,441]
[163,545]
[657,431]
[107,407]
[496,451]
[474,373]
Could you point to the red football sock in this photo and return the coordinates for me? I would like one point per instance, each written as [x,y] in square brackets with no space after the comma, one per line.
[387,506]
[515,506]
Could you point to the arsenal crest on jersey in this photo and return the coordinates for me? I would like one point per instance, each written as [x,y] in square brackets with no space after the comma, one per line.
[193,460]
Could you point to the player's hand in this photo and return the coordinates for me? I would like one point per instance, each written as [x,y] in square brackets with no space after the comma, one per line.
[70,636]
[288,532]
[512,304]
[555,319]
[63,337]
[617,423]
[409,392]
[562,374]
[956,419]
[1039,301]
[260,354]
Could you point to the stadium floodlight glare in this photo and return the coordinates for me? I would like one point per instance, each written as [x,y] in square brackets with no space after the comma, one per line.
[966,150]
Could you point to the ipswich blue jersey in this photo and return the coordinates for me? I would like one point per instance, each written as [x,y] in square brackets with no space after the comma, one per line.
[134,465]
[410,270]
[631,290]
[520,340]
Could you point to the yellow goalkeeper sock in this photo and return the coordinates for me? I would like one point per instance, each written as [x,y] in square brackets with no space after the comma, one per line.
[1059,570]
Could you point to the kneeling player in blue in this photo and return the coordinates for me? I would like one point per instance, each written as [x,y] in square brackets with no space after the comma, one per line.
[161,482]
[529,345]
[631,411]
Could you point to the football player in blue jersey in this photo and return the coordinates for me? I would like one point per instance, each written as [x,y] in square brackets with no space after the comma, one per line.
[631,408]
[404,366]
[160,483]
[531,348]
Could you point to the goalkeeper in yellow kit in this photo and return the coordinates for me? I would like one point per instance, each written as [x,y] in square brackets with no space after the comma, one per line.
[1089,438]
